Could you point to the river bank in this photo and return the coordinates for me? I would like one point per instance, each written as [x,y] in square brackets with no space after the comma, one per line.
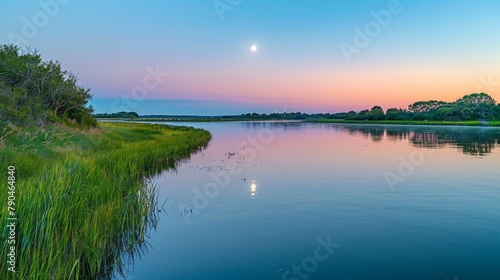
[81,201]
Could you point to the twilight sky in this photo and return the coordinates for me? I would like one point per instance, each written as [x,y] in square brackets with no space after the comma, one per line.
[193,57]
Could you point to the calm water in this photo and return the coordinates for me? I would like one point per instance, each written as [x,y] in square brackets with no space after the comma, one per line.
[270,200]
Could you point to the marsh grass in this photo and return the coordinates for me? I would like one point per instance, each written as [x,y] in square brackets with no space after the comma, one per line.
[82,201]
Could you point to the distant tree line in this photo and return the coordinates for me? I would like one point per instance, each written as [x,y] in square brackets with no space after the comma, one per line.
[34,92]
[119,115]
[476,106]
[280,116]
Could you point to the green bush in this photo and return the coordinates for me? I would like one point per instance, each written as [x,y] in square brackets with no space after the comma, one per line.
[33,91]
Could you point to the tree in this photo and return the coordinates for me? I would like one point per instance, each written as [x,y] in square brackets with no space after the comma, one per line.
[376,113]
[364,114]
[393,113]
[425,106]
[42,89]
[475,105]
[496,112]
[446,111]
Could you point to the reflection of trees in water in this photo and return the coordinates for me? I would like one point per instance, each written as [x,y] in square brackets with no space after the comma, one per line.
[397,135]
[375,133]
[478,144]
[470,141]
[274,125]
[426,140]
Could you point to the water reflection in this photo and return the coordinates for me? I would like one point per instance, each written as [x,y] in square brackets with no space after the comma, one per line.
[276,126]
[470,141]
[319,181]
[253,189]
[475,141]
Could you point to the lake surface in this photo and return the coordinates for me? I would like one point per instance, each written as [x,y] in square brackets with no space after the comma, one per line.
[284,200]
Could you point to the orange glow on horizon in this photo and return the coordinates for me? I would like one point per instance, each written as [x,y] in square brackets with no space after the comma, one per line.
[347,89]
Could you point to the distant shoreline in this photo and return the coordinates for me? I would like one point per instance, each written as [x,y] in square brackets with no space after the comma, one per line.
[415,123]
[337,121]
[195,119]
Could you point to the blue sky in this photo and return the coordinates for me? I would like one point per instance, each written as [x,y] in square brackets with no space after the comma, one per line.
[427,50]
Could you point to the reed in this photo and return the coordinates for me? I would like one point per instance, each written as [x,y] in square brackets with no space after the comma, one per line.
[82,201]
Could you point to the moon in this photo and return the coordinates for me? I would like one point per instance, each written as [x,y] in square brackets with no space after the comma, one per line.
[253,48]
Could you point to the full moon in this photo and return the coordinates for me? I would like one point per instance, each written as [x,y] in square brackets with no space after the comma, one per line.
[253,48]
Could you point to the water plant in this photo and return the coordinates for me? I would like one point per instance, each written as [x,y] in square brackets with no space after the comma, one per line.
[82,201]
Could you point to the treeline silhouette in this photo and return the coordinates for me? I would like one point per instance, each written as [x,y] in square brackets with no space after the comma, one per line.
[119,115]
[475,106]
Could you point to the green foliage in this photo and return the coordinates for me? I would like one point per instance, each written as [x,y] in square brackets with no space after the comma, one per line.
[377,113]
[475,106]
[393,113]
[472,107]
[32,89]
[119,115]
[81,199]
[425,106]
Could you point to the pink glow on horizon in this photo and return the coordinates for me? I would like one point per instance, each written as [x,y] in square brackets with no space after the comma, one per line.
[332,90]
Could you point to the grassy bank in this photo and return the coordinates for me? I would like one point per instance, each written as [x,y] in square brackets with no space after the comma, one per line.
[81,201]
[401,122]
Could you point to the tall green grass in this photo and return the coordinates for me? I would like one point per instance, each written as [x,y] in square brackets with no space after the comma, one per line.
[82,202]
